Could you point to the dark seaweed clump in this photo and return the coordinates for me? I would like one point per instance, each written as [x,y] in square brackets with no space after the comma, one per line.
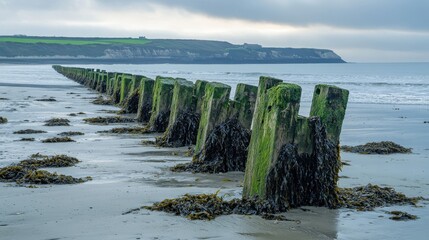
[225,149]
[131,102]
[51,99]
[57,122]
[27,171]
[401,216]
[58,139]
[102,101]
[3,120]
[209,206]
[183,132]
[126,130]
[71,133]
[42,161]
[305,179]
[108,120]
[144,112]
[29,131]
[384,147]
[27,139]
[366,198]
[161,122]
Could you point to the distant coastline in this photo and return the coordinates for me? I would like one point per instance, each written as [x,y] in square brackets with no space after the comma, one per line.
[64,50]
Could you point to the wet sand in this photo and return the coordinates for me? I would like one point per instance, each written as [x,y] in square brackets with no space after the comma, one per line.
[127,174]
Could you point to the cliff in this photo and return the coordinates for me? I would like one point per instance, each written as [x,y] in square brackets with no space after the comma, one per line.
[22,49]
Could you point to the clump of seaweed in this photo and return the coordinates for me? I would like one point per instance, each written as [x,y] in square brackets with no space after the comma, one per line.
[209,206]
[45,177]
[12,173]
[51,99]
[305,179]
[131,102]
[3,120]
[27,171]
[29,131]
[102,101]
[384,147]
[72,114]
[126,130]
[401,216]
[27,139]
[161,122]
[183,132]
[366,198]
[58,139]
[71,133]
[57,122]
[108,120]
[42,161]
[225,149]
[3,99]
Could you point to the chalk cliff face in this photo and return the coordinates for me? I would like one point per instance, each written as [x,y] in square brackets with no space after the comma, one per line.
[166,51]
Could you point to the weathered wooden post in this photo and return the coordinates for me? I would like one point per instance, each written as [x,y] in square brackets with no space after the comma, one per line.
[214,110]
[162,97]
[125,87]
[294,160]
[145,100]
[183,122]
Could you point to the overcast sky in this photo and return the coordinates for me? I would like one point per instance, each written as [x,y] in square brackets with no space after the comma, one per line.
[358,30]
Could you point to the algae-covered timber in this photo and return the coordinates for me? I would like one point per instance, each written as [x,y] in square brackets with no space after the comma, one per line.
[276,114]
[214,110]
[145,100]
[161,103]
[3,120]
[183,122]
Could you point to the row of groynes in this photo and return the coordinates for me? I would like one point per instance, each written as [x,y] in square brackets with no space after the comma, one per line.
[290,160]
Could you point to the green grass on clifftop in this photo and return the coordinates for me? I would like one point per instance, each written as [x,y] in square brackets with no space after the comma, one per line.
[73,41]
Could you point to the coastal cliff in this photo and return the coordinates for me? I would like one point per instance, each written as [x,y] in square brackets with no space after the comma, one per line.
[22,49]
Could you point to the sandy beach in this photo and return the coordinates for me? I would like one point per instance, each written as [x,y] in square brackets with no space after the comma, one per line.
[127,174]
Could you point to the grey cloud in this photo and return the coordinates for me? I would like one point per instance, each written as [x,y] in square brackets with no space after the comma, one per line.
[368,14]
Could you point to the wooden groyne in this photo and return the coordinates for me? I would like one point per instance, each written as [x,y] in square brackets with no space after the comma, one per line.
[289,160]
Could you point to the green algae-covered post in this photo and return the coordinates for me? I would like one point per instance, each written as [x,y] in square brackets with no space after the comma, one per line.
[183,122]
[330,103]
[199,91]
[145,100]
[125,87]
[162,97]
[278,109]
[244,104]
[214,110]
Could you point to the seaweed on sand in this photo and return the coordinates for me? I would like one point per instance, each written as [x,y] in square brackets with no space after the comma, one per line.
[58,139]
[51,99]
[27,171]
[366,198]
[305,179]
[3,120]
[126,130]
[384,147]
[225,149]
[209,206]
[71,133]
[42,161]
[183,132]
[45,177]
[102,101]
[108,120]
[29,131]
[401,216]
[131,102]
[27,139]
[57,122]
